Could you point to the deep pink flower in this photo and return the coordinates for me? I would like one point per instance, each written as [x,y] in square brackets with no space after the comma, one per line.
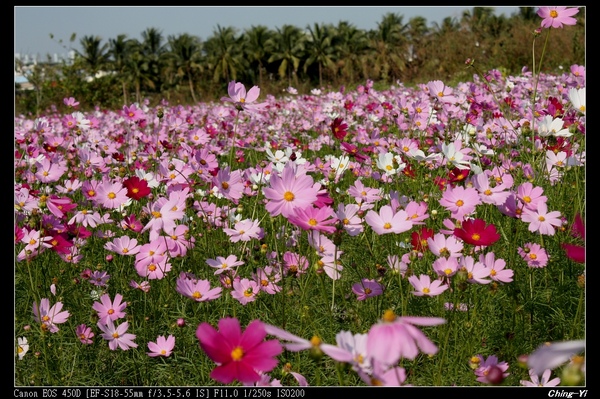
[312,218]
[533,254]
[239,355]
[574,251]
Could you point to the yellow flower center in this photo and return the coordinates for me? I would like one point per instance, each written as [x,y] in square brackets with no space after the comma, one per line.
[553,14]
[312,222]
[389,316]
[288,196]
[387,226]
[237,354]
[475,237]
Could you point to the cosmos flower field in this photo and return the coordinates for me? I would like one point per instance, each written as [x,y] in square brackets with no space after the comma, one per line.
[429,236]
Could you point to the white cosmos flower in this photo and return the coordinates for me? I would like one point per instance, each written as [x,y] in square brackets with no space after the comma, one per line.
[549,126]
[577,97]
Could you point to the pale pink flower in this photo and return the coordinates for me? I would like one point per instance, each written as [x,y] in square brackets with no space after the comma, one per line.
[222,264]
[241,99]
[543,381]
[48,316]
[497,268]
[449,246]
[556,17]
[386,221]
[117,337]
[124,245]
[290,191]
[244,230]
[541,220]
[162,347]
[460,201]
[245,290]
[110,310]
[198,290]
[425,287]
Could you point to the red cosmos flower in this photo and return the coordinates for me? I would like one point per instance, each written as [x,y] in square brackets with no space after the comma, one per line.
[457,175]
[136,188]
[475,232]
[418,239]
[576,252]
[338,128]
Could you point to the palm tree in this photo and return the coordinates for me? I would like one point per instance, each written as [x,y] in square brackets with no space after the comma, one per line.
[417,34]
[153,50]
[184,58]
[256,42]
[94,54]
[388,46]
[351,45]
[224,54]
[319,49]
[138,69]
[120,52]
[288,50]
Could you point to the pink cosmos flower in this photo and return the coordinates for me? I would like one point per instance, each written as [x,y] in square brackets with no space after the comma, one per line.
[460,201]
[132,113]
[533,254]
[198,290]
[49,172]
[244,230]
[485,365]
[530,196]
[294,264]
[439,90]
[290,191]
[110,310]
[398,265]
[111,195]
[445,267]
[124,245]
[543,381]
[162,347]
[425,287]
[384,375]
[541,220]
[367,288]
[267,279]
[150,252]
[386,221]
[164,214]
[440,245]
[178,240]
[241,99]
[331,265]
[229,184]
[348,216]
[131,223]
[48,316]
[241,356]
[497,268]
[393,338]
[361,193]
[85,334]
[553,354]
[224,264]
[117,337]
[60,206]
[315,346]
[312,218]
[477,273]
[556,17]
[156,269]
[245,290]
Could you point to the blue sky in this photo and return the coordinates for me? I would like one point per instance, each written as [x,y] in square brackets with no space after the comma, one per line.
[34,24]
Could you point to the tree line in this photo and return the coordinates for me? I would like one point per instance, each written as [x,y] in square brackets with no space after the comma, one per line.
[185,69]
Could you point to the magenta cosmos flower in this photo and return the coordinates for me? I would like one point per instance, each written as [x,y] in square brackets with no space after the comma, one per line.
[241,356]
[556,17]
